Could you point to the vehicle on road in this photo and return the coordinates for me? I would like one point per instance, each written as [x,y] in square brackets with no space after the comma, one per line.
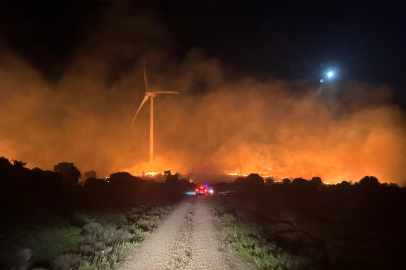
[204,190]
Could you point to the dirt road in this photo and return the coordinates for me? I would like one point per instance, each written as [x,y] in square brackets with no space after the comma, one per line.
[186,240]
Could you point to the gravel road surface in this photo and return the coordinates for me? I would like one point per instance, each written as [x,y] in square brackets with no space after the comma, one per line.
[187,239]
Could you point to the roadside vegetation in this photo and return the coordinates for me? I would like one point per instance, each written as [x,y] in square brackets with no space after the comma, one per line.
[51,222]
[249,240]
[305,224]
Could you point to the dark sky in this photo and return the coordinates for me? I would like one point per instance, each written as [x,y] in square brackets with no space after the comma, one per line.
[364,40]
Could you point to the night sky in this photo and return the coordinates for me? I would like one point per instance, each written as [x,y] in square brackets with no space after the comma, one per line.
[364,40]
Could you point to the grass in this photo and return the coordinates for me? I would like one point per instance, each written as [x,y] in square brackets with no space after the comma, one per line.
[248,240]
[100,240]
[46,237]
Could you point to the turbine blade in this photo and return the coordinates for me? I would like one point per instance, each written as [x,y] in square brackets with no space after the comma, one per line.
[165,92]
[142,103]
[145,79]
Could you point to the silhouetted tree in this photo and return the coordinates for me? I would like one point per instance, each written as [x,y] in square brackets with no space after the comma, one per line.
[222,186]
[316,182]
[5,171]
[70,174]
[123,179]
[269,181]
[45,179]
[255,179]
[167,173]
[239,179]
[345,184]
[369,182]
[159,178]
[286,181]
[4,161]
[393,185]
[19,164]
[95,184]
[13,174]
[90,174]
[300,182]
[172,179]
[185,184]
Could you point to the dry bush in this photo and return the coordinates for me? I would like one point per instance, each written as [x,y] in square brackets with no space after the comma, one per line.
[66,261]
[86,249]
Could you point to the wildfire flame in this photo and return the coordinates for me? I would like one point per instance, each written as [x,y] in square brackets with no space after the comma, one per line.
[147,173]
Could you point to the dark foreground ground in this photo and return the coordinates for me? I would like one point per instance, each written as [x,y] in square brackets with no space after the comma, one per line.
[49,223]
[297,226]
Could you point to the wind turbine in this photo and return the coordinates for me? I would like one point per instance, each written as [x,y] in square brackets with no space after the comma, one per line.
[151,95]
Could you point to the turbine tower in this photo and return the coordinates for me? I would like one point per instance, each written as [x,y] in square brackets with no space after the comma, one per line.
[151,124]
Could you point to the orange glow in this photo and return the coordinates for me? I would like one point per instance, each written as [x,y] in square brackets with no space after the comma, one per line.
[237,174]
[142,174]
[153,173]
[235,126]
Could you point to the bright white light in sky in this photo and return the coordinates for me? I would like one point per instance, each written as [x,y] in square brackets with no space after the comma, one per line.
[330,74]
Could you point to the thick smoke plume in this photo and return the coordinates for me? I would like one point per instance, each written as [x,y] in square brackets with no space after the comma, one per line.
[218,124]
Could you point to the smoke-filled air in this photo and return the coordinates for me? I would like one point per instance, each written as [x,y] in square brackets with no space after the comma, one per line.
[220,123]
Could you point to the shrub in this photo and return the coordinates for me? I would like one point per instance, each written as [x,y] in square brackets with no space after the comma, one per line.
[112,235]
[66,261]
[45,243]
[159,211]
[220,210]
[137,210]
[98,245]
[53,241]
[248,240]
[148,223]
[133,217]
[108,234]
[138,235]
[86,265]
[109,257]
[248,230]
[227,219]
[93,232]
[109,217]
[86,250]
[144,224]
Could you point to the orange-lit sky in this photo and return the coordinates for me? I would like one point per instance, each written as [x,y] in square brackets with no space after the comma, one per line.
[237,125]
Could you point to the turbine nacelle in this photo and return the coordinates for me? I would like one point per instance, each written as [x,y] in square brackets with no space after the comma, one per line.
[150,94]
[153,94]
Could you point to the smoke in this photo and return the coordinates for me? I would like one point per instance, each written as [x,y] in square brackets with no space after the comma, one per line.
[218,124]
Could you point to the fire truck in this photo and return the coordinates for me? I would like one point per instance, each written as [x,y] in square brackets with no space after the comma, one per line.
[204,190]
